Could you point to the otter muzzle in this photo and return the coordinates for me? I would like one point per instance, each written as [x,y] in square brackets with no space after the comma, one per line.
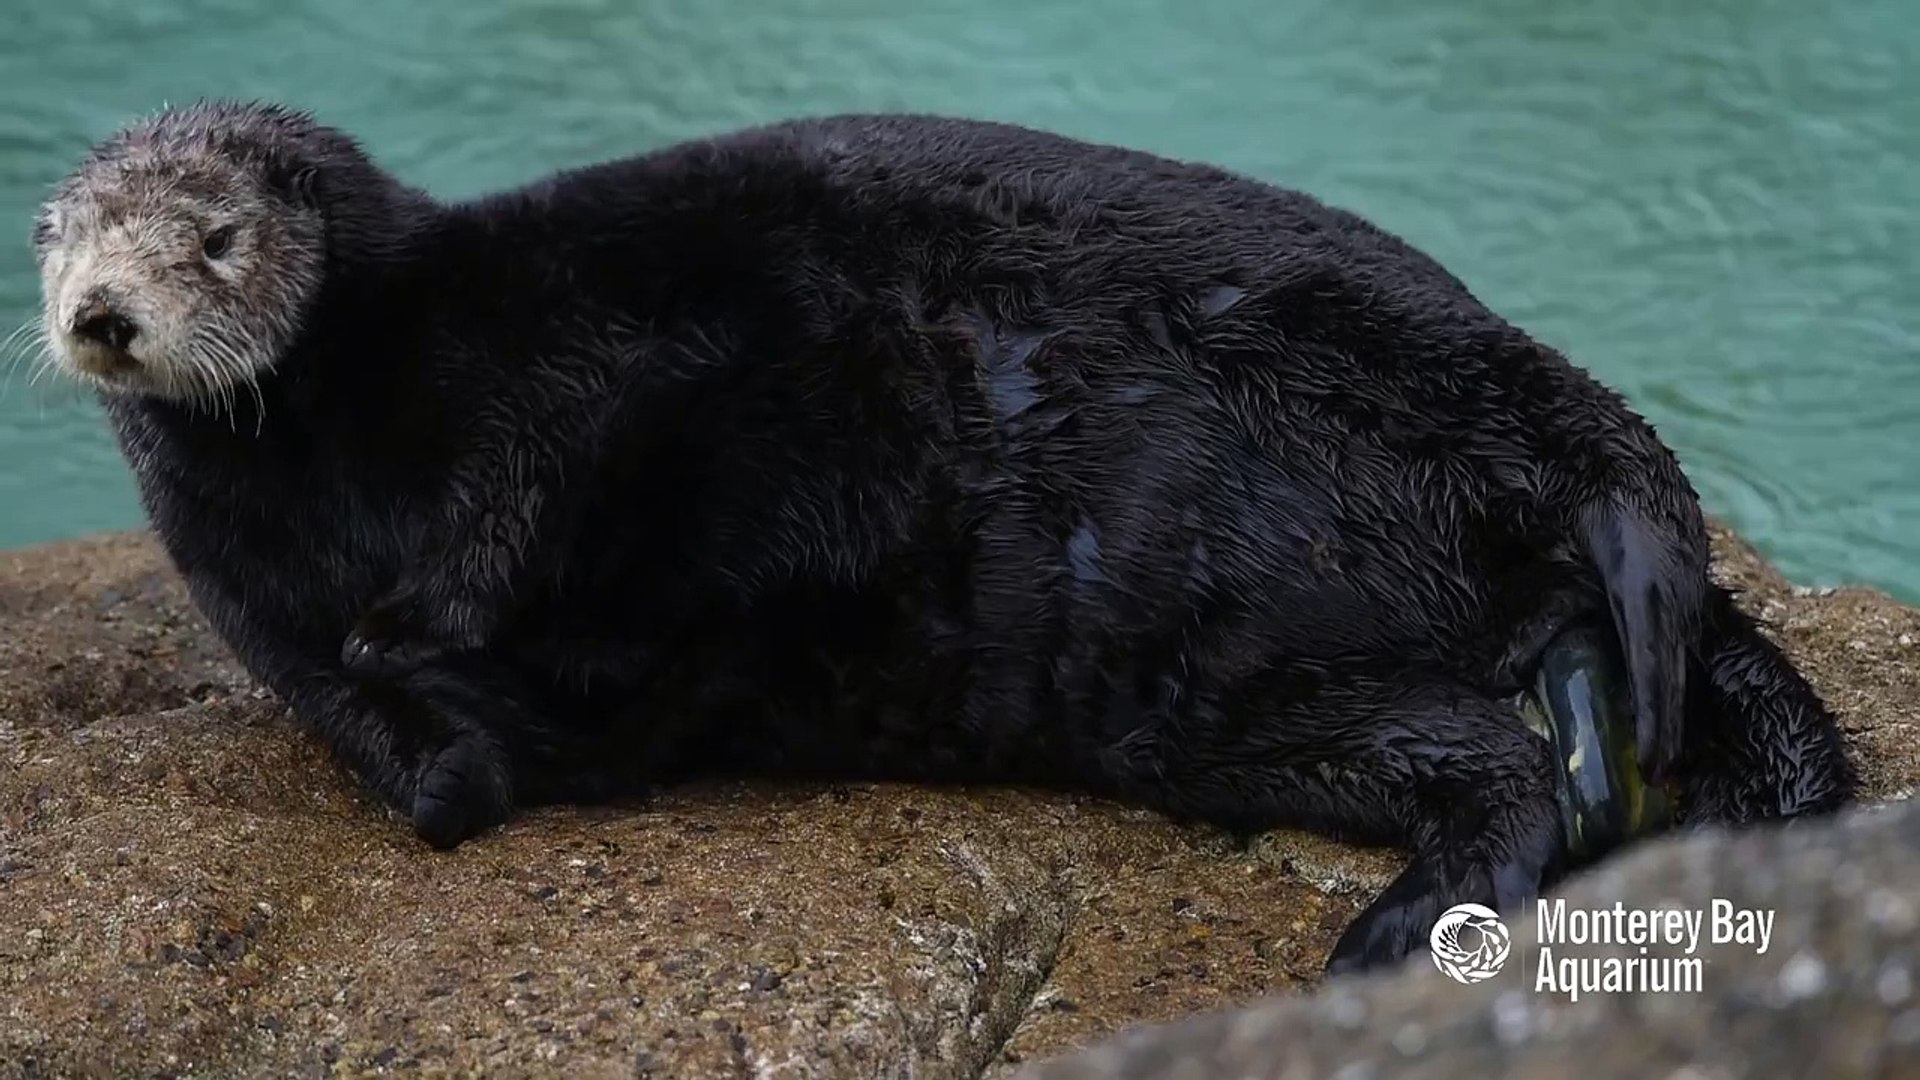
[104,324]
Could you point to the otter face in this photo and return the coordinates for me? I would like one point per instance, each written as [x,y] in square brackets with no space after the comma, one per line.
[172,266]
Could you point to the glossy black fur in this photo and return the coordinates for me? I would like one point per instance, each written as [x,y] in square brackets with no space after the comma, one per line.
[945,451]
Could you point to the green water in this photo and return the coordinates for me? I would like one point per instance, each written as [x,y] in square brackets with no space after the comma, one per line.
[1714,204]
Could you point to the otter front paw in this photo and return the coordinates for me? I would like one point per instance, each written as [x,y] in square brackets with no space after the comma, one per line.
[464,790]
[366,652]
[390,638]
[415,625]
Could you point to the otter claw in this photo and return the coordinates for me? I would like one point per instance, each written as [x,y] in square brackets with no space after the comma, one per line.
[388,641]
[358,654]
[365,656]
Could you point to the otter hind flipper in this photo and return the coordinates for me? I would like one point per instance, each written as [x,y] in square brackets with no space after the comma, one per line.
[1655,580]
[1763,744]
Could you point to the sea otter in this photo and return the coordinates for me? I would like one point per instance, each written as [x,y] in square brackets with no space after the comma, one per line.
[899,447]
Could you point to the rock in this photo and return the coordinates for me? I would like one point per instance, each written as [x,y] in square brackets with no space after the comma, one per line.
[189,886]
[1836,993]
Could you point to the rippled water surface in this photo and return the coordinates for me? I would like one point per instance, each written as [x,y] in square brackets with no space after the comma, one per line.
[1715,205]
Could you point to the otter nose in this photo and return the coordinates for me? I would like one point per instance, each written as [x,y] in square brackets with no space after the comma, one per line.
[101,323]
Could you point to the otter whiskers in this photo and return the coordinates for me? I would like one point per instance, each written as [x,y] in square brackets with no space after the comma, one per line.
[30,339]
[26,339]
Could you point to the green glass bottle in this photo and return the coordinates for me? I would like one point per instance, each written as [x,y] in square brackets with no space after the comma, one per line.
[1580,704]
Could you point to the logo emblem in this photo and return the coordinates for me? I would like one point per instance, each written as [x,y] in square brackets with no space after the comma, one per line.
[1469,943]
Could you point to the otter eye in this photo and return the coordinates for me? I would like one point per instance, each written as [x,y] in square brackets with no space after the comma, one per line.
[217,242]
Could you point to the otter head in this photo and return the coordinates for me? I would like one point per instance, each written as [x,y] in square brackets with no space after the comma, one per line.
[177,261]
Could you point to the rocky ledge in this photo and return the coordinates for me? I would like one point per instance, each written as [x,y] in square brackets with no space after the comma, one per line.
[189,887]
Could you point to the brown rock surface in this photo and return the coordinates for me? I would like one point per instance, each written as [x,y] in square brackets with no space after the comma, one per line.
[188,886]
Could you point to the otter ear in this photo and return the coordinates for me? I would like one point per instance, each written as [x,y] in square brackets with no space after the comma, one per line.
[306,187]
[299,184]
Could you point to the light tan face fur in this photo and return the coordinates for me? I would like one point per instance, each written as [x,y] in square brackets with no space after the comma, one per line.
[129,235]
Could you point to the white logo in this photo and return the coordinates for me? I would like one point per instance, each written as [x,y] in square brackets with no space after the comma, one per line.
[1481,955]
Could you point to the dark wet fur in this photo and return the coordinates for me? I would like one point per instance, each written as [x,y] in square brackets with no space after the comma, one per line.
[944,451]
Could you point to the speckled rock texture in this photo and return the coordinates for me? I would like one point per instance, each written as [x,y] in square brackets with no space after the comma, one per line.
[189,887]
